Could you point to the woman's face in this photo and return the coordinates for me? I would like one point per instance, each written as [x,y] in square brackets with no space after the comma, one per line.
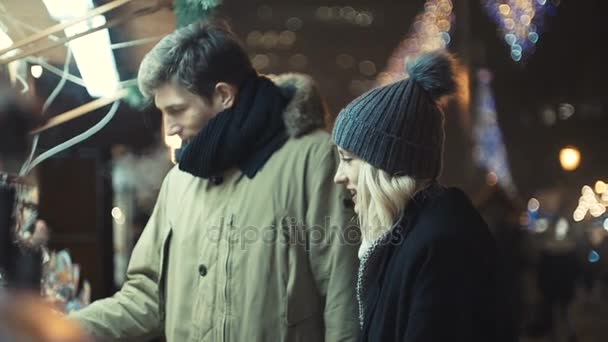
[348,173]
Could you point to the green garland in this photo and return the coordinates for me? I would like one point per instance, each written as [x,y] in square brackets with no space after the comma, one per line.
[135,99]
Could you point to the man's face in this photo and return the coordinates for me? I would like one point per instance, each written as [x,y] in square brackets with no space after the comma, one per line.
[184,113]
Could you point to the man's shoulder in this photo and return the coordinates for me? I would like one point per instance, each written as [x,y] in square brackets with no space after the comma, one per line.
[177,180]
[310,154]
[317,142]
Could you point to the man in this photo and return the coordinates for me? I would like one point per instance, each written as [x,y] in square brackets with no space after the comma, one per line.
[249,239]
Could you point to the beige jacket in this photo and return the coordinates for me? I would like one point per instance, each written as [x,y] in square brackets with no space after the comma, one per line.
[273,258]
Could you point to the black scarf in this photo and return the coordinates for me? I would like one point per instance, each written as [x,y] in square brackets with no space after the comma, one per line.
[243,136]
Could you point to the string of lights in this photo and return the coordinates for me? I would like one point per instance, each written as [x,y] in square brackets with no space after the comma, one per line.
[430,31]
[520,22]
[490,152]
[592,201]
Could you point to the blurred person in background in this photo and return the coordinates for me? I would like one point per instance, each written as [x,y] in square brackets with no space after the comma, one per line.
[502,212]
[558,268]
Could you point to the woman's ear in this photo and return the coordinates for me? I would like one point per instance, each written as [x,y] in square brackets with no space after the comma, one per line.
[225,95]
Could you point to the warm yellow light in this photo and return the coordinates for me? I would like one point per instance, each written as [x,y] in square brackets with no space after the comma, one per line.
[600,187]
[444,25]
[597,210]
[504,9]
[579,214]
[570,158]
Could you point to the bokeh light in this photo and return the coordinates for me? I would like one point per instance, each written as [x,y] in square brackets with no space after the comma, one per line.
[294,24]
[260,62]
[36,71]
[430,31]
[592,201]
[593,256]
[519,22]
[533,205]
[570,158]
[345,61]
[298,61]
[491,178]
[367,68]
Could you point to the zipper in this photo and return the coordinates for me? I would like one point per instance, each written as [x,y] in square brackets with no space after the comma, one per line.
[164,266]
[227,269]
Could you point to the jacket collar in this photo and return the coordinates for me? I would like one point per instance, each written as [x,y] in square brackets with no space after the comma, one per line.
[306,110]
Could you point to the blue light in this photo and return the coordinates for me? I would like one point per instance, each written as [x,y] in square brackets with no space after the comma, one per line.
[516,48]
[446,38]
[593,257]
[541,2]
[533,37]
[516,56]
[510,38]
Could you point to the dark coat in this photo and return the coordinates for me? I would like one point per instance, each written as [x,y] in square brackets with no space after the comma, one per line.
[434,277]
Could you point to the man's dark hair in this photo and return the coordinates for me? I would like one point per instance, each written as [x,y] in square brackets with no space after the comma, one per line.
[197,57]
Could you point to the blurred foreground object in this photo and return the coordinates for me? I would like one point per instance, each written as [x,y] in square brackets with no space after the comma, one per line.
[25,317]
[60,283]
[20,243]
[22,237]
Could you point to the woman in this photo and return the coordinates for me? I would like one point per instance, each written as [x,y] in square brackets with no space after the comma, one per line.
[427,268]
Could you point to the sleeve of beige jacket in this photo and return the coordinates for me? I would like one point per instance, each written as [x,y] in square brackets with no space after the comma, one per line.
[334,257]
[133,311]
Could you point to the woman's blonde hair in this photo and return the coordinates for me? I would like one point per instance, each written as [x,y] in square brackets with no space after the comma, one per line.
[381,199]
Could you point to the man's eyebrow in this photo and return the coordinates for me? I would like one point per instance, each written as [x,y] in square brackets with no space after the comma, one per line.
[172,106]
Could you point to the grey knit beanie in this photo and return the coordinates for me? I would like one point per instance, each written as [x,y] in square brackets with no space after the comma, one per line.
[399,127]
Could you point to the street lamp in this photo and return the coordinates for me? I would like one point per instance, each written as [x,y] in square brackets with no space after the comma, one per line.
[570,158]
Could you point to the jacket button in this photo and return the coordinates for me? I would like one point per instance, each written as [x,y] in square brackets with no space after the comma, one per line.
[202,270]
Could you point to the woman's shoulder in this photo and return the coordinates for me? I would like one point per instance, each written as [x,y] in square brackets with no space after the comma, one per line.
[448,214]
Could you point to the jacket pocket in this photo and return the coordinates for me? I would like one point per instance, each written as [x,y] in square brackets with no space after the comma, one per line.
[303,299]
[162,277]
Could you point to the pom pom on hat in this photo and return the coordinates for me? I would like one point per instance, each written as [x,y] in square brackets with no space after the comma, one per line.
[434,72]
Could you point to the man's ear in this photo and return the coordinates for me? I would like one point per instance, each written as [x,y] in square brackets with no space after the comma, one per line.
[225,95]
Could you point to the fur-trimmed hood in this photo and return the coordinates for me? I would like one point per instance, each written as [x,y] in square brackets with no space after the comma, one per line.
[306,110]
